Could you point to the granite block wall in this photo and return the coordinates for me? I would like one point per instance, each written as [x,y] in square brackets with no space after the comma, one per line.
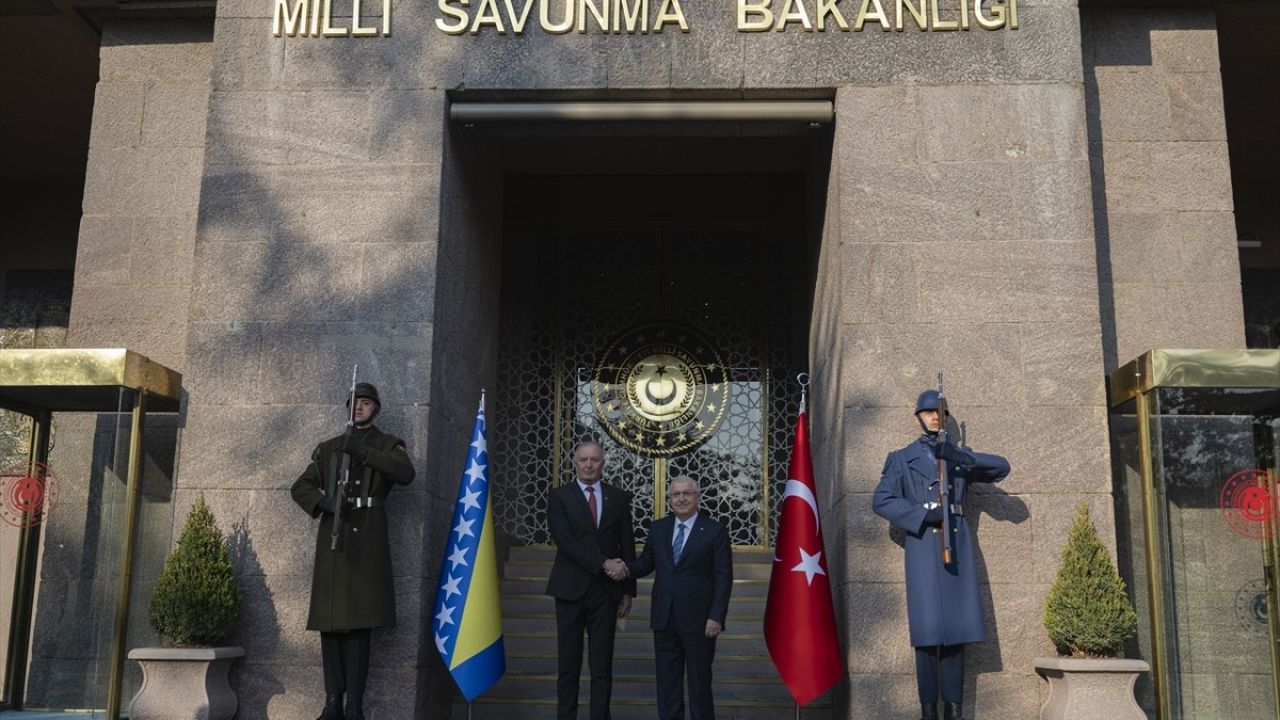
[297,205]
[1169,272]
[965,247]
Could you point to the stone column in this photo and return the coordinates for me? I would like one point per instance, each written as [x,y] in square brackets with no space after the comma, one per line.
[1169,270]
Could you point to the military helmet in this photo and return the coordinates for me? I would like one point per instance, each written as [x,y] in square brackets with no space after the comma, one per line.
[367,390]
[928,400]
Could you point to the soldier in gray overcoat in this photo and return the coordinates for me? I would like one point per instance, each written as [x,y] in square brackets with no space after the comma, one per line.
[351,587]
[943,605]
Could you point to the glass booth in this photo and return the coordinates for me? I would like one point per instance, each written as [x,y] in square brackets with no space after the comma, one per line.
[85,534]
[1195,436]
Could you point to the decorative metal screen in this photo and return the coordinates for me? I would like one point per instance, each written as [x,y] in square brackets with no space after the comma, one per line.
[567,295]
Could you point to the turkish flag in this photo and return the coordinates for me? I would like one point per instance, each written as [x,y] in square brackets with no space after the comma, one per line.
[799,620]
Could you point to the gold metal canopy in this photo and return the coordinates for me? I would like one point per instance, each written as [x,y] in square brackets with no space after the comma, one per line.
[1194,368]
[85,380]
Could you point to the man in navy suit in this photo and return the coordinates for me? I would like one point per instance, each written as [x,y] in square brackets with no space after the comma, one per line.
[694,565]
[944,609]
[590,523]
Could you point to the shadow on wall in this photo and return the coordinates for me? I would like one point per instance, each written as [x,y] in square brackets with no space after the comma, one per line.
[259,629]
[316,249]
[982,499]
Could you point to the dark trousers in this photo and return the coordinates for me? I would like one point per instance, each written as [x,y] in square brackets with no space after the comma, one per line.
[597,614]
[679,655]
[940,668]
[346,661]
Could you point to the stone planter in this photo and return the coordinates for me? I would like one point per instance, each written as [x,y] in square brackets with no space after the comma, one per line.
[1091,689]
[186,683]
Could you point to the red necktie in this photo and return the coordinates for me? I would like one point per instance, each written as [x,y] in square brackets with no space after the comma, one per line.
[591,503]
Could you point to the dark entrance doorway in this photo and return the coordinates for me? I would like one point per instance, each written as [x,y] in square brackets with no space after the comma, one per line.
[693,255]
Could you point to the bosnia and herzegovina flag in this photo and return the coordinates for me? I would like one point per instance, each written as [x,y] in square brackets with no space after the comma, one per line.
[467,623]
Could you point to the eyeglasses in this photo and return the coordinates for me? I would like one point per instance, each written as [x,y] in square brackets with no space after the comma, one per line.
[682,493]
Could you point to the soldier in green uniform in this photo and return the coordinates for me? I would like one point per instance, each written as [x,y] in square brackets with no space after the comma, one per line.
[351,588]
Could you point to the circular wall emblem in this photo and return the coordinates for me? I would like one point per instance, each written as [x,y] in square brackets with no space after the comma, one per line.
[1248,501]
[1251,607]
[660,389]
[30,494]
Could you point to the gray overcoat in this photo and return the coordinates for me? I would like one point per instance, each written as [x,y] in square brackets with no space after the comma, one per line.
[943,604]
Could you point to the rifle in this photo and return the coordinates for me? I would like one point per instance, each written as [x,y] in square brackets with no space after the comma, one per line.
[944,495]
[344,474]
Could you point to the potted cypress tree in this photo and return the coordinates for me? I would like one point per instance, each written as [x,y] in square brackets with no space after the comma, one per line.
[195,606]
[1089,619]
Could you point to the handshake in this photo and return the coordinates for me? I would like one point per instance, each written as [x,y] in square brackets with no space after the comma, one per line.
[616,569]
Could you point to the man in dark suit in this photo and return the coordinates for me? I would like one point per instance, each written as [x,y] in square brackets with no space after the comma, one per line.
[694,565]
[590,523]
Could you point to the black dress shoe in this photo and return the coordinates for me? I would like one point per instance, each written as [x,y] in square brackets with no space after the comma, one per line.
[928,711]
[355,706]
[332,708]
[951,711]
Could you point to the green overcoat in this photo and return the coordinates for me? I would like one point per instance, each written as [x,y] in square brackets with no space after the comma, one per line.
[351,588]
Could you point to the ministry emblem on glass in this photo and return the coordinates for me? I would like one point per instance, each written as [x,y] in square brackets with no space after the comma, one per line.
[660,389]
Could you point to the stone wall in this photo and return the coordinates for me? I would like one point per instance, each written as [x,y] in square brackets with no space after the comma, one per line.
[341,220]
[966,248]
[1169,272]
[131,286]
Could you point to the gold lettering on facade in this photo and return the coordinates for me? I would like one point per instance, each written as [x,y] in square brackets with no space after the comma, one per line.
[926,15]
[314,18]
[937,22]
[788,14]
[287,22]
[995,22]
[544,17]
[517,23]
[916,12]
[828,7]
[878,15]
[358,30]
[457,14]
[670,12]
[633,17]
[487,14]
[600,13]
[759,10]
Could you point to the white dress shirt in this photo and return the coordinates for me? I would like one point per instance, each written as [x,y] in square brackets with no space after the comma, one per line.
[688,530]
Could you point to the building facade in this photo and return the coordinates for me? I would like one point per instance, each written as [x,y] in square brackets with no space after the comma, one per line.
[463,195]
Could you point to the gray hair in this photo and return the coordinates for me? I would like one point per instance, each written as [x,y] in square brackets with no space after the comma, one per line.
[686,478]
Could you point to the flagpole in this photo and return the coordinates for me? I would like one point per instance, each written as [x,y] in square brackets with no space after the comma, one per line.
[803,379]
[798,704]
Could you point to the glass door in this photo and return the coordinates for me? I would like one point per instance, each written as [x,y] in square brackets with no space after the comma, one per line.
[1195,442]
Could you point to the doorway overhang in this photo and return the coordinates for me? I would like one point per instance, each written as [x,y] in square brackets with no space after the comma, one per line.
[798,111]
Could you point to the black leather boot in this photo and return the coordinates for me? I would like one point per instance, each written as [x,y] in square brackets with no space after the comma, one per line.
[951,711]
[355,706]
[332,708]
[928,711]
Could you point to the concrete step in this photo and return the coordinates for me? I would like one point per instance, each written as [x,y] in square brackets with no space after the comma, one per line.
[545,552]
[637,621]
[747,684]
[540,662]
[540,566]
[635,639]
[741,609]
[488,708]
[537,584]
